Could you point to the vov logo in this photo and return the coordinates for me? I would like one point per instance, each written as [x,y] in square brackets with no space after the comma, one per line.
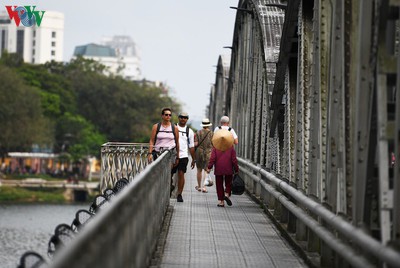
[27,15]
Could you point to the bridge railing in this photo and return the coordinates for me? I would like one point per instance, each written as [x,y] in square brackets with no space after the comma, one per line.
[121,160]
[125,233]
[291,206]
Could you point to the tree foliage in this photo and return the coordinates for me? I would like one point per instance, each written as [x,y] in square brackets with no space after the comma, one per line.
[73,107]
[21,116]
[78,136]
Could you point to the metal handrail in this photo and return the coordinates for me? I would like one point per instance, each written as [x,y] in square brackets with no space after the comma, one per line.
[121,160]
[125,233]
[356,235]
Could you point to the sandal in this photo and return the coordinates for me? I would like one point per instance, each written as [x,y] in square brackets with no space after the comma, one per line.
[220,205]
[228,201]
[204,190]
[198,188]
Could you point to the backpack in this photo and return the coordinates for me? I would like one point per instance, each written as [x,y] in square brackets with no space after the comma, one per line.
[229,129]
[187,134]
[158,130]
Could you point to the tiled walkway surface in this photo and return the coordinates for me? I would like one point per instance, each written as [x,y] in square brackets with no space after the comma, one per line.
[204,235]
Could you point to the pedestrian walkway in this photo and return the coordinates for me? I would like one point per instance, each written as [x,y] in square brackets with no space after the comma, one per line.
[204,235]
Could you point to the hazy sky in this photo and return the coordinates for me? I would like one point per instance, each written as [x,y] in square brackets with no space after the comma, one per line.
[179,40]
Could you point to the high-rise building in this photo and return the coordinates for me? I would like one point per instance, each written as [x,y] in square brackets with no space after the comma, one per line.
[105,55]
[128,53]
[35,44]
[118,53]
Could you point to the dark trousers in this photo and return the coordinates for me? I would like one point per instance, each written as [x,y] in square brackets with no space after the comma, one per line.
[219,182]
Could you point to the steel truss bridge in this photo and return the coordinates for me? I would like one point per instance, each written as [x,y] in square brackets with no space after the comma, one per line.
[311,88]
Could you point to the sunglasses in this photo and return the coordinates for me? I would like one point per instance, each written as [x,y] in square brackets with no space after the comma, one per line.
[167,114]
[184,117]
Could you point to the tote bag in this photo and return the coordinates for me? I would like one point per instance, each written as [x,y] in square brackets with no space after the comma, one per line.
[237,185]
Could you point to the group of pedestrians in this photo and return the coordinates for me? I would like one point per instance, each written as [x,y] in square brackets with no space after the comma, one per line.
[208,149]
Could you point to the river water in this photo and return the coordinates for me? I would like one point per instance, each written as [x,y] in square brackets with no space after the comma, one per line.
[29,227]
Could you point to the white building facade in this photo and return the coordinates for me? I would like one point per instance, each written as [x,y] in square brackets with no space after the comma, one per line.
[103,54]
[35,44]
[118,53]
[128,54]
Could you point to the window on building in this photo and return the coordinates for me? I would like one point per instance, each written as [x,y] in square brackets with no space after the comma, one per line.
[33,60]
[20,43]
[5,21]
[34,33]
[3,40]
[34,43]
[53,34]
[53,44]
[33,52]
[53,52]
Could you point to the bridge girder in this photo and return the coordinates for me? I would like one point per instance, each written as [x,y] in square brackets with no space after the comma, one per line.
[314,98]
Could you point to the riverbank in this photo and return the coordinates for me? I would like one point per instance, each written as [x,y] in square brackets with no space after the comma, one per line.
[10,194]
[42,189]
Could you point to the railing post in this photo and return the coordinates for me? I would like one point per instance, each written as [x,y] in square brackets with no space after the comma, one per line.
[327,254]
[292,223]
[313,242]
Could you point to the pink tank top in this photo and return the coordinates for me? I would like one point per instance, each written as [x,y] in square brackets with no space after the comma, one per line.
[165,138]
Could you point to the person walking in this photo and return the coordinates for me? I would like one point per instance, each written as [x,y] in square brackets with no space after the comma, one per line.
[224,124]
[223,158]
[186,146]
[203,151]
[164,135]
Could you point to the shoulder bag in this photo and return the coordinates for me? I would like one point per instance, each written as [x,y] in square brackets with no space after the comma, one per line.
[202,141]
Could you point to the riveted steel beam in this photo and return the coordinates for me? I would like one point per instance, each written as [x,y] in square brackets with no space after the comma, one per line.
[286,47]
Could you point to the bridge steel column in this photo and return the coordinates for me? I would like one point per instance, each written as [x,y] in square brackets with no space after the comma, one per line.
[363,161]
[396,187]
[313,94]
[218,90]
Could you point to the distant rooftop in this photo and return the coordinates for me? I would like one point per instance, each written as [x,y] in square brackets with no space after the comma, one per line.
[123,45]
[94,50]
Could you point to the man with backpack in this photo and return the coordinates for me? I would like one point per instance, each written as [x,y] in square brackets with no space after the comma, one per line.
[225,125]
[186,146]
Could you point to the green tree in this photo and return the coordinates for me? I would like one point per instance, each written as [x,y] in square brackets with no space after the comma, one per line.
[21,117]
[56,92]
[74,106]
[11,60]
[79,137]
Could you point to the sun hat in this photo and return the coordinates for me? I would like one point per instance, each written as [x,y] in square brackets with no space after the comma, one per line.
[183,114]
[206,123]
[222,140]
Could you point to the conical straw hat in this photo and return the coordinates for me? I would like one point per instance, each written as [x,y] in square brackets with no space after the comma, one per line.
[222,140]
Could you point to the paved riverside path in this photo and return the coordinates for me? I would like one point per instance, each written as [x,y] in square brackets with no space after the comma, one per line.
[204,235]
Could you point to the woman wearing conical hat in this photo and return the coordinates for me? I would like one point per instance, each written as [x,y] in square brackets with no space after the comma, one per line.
[223,159]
